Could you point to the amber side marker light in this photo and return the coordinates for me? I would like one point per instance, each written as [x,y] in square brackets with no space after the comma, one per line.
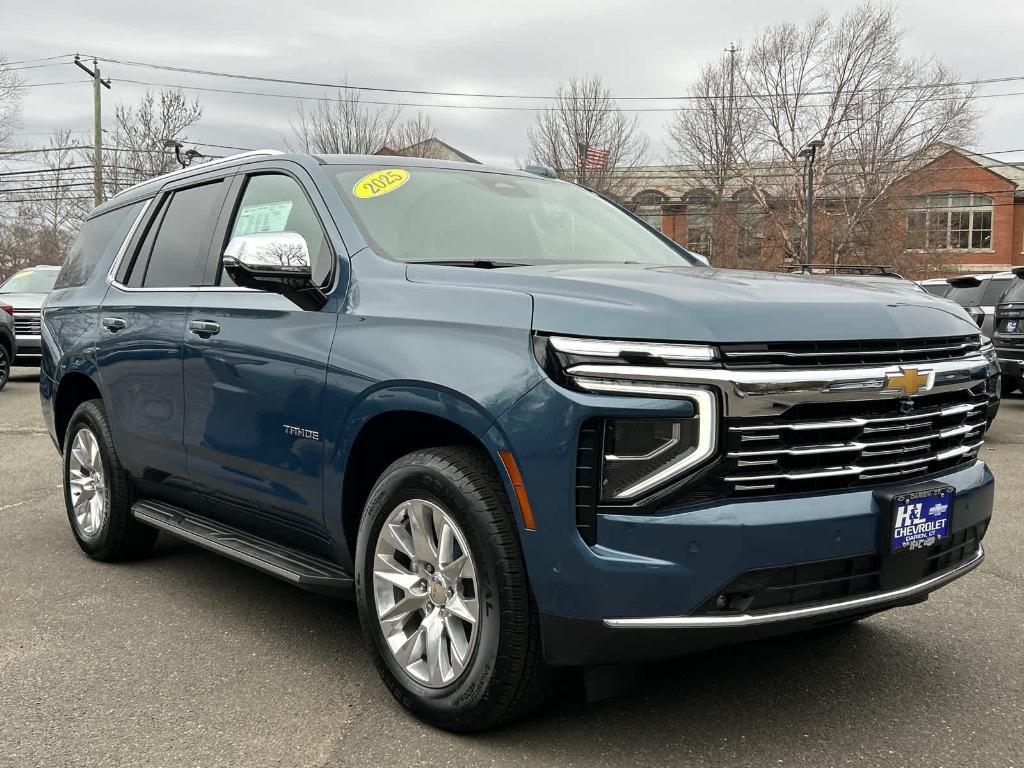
[517,484]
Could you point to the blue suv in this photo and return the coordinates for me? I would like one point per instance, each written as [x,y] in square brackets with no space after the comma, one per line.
[524,430]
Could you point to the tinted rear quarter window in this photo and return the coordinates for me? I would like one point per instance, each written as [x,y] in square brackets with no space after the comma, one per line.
[98,240]
[966,295]
[1015,293]
[994,290]
[174,251]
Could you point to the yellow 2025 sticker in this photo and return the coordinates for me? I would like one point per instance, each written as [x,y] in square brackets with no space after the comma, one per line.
[380,182]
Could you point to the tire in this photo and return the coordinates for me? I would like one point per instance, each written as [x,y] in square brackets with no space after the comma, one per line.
[102,524]
[5,366]
[503,676]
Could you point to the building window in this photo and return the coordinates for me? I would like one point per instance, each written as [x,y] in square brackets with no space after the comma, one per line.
[749,229]
[950,221]
[648,207]
[699,216]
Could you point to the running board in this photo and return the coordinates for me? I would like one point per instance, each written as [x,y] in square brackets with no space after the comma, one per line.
[302,569]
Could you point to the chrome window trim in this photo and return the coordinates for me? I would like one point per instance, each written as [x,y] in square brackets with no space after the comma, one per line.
[824,609]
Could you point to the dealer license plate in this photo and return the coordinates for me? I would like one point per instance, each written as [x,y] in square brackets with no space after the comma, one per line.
[920,518]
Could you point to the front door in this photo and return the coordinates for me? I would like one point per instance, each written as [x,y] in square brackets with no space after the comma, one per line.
[255,374]
[142,334]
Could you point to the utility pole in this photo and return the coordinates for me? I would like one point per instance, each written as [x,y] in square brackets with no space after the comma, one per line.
[727,166]
[97,127]
[809,153]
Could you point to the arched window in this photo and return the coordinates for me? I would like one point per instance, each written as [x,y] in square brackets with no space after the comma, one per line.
[953,221]
[699,217]
[648,206]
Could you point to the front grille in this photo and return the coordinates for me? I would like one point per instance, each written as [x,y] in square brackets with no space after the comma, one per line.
[843,354]
[798,586]
[841,444]
[26,322]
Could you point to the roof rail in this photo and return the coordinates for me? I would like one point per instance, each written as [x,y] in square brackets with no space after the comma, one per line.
[203,166]
[835,269]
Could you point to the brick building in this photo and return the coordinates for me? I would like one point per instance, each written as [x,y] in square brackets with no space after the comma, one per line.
[961,212]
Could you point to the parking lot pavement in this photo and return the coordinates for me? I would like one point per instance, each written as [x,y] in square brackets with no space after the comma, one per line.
[186,659]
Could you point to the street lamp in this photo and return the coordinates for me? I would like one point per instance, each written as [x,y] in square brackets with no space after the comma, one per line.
[808,153]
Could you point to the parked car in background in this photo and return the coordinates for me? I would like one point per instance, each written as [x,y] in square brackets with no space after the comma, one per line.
[8,344]
[937,286]
[25,292]
[1009,334]
[979,294]
[523,430]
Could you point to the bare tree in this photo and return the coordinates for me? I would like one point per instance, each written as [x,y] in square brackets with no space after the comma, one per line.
[411,138]
[844,81]
[343,125]
[585,115]
[10,100]
[59,209]
[136,150]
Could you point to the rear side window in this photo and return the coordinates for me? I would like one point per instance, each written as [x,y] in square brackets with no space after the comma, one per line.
[994,290]
[99,239]
[1015,292]
[966,296]
[174,251]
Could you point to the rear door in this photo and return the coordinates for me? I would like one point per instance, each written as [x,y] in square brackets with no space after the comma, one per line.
[256,367]
[141,335]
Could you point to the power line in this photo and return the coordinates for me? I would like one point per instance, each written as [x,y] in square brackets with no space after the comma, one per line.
[535,97]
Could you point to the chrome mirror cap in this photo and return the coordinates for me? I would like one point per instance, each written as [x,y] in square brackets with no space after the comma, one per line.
[269,254]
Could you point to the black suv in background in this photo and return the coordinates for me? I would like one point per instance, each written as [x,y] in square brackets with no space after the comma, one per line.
[1009,334]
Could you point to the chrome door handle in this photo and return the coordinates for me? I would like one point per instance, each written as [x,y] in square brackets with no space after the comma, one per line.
[203,327]
[113,324]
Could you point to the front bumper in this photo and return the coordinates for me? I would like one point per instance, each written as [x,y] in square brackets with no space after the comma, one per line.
[632,594]
[577,642]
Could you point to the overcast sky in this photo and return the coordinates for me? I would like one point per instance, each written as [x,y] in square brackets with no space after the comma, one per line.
[640,48]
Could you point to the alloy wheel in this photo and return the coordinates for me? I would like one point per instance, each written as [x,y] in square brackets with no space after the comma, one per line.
[425,592]
[87,483]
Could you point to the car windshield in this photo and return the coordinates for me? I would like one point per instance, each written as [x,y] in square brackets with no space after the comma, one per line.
[417,214]
[30,281]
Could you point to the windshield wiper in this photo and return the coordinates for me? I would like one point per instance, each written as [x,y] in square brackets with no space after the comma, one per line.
[476,263]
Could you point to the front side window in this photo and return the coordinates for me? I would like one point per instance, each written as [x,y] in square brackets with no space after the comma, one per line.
[418,214]
[950,221]
[174,252]
[274,202]
[30,281]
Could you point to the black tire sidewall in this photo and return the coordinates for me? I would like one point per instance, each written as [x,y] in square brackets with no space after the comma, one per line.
[450,703]
[6,363]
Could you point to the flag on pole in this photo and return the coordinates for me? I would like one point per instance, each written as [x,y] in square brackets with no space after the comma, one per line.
[592,158]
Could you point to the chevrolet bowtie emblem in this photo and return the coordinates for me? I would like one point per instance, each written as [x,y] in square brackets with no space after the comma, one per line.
[910,381]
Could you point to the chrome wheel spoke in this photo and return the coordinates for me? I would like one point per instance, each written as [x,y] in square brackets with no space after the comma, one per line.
[85,481]
[424,585]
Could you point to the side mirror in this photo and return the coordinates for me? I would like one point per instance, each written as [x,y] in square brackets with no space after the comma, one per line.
[276,262]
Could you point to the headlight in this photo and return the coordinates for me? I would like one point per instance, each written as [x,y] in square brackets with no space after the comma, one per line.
[641,455]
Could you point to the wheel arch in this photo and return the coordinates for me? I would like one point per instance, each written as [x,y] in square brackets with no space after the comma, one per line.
[73,389]
[394,421]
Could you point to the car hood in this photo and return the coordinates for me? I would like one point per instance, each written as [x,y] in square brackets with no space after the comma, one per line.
[712,305]
[23,300]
